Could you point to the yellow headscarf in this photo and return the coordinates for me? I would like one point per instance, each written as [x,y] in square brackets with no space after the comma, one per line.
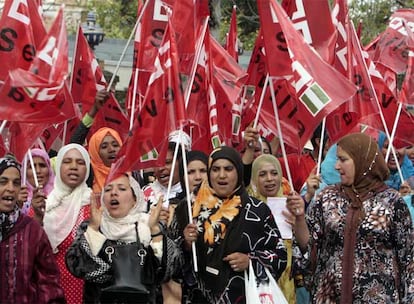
[257,164]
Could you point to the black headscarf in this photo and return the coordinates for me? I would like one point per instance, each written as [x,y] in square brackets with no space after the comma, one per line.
[191,156]
[234,157]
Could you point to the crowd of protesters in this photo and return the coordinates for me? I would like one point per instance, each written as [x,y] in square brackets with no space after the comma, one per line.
[66,236]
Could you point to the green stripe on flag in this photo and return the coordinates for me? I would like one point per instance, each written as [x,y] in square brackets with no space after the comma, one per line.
[315,98]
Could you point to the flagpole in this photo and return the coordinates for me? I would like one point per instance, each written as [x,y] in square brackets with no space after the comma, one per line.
[134,99]
[126,46]
[36,181]
[321,145]
[374,94]
[188,197]
[259,106]
[75,50]
[3,124]
[391,139]
[24,170]
[166,204]
[65,128]
[190,82]
[279,130]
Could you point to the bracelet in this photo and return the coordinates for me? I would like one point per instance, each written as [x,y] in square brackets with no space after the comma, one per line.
[157,234]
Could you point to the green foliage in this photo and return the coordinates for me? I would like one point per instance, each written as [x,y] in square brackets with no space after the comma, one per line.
[374,15]
[116,17]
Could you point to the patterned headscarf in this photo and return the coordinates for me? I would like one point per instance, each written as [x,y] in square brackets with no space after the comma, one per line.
[7,220]
[100,171]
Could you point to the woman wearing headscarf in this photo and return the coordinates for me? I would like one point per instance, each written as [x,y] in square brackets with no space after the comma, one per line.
[28,271]
[66,207]
[406,166]
[45,177]
[103,146]
[120,220]
[357,237]
[230,229]
[267,182]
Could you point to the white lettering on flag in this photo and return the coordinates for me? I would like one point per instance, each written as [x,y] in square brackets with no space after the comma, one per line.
[15,14]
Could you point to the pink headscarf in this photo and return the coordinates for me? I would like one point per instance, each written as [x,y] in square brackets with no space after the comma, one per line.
[49,186]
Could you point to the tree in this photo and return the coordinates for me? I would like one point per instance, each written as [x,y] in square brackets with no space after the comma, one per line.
[116,17]
[374,15]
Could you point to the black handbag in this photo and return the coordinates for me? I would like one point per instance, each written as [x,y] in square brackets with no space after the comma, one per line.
[128,264]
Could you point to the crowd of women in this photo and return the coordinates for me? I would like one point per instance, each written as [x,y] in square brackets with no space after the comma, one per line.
[191,235]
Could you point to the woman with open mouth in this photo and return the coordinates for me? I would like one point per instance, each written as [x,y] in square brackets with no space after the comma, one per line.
[230,230]
[66,207]
[28,270]
[119,221]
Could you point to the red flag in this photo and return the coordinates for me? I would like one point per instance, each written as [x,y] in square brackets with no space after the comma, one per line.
[407,90]
[163,112]
[228,82]
[187,18]
[232,46]
[391,49]
[200,125]
[23,136]
[87,76]
[313,19]
[21,32]
[350,61]
[41,94]
[319,88]
[148,36]
[111,115]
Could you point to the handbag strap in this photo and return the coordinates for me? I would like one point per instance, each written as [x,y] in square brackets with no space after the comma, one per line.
[140,246]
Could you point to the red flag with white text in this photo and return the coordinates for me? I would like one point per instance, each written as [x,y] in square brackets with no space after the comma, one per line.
[162,113]
[317,86]
[391,49]
[22,31]
[41,94]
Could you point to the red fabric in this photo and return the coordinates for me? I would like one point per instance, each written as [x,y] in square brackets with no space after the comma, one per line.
[71,285]
[22,32]
[318,87]
[87,76]
[41,94]
[313,19]
[187,18]
[231,41]
[300,167]
[228,82]
[351,62]
[26,259]
[198,109]
[407,90]
[391,47]
[163,112]
[111,115]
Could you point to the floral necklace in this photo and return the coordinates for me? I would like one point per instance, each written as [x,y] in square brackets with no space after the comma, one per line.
[214,214]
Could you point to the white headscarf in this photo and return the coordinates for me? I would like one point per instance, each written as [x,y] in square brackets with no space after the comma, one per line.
[64,203]
[123,229]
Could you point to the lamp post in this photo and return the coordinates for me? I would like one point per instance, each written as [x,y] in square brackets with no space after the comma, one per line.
[92,31]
